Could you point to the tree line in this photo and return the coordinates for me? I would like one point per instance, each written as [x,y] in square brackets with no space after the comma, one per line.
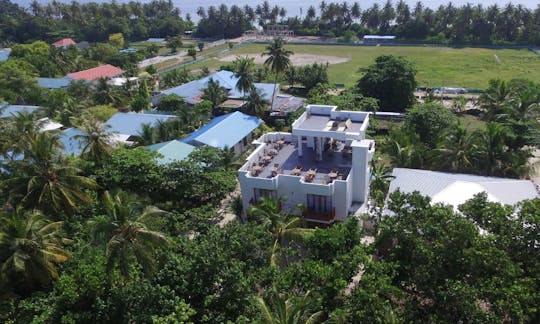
[476,24]
[91,21]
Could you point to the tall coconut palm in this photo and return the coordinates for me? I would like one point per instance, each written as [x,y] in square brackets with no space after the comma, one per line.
[495,99]
[381,175]
[455,150]
[293,310]
[278,60]
[46,181]
[125,227]
[31,247]
[284,227]
[244,74]
[105,93]
[215,94]
[256,105]
[147,135]
[491,152]
[96,140]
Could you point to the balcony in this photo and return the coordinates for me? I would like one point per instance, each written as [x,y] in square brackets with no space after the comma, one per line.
[319,217]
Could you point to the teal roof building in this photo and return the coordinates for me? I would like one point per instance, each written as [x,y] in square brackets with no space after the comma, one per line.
[171,151]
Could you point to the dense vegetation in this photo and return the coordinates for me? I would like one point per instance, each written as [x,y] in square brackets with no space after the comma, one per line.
[113,236]
[466,24]
[89,21]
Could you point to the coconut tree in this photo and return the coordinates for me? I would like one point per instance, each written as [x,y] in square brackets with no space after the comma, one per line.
[290,310]
[256,104]
[495,99]
[284,227]
[45,180]
[278,60]
[105,93]
[215,94]
[96,140]
[126,229]
[491,153]
[381,175]
[244,74]
[455,151]
[31,247]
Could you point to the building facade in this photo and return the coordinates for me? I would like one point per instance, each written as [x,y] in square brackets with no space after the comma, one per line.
[322,164]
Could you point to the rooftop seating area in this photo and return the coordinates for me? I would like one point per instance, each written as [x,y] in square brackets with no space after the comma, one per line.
[281,157]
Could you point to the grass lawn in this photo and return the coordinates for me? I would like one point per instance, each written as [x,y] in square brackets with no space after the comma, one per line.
[437,66]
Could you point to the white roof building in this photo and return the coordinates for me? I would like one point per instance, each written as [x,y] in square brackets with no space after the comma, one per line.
[322,164]
[454,189]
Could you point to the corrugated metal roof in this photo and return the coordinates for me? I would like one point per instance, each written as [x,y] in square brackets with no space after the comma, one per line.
[379,37]
[155,40]
[455,188]
[131,123]
[9,110]
[192,91]
[53,83]
[224,131]
[103,71]
[171,151]
[72,146]
[64,42]
[4,54]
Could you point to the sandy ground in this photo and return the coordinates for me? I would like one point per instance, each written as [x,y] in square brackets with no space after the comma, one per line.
[296,59]
[535,177]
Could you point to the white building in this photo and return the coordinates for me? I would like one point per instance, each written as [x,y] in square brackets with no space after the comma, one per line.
[323,164]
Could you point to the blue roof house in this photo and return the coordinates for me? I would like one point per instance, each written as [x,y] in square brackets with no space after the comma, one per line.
[7,110]
[128,125]
[232,131]
[54,83]
[4,54]
[171,151]
[72,144]
[192,91]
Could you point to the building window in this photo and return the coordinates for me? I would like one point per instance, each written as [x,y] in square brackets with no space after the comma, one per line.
[258,193]
[320,204]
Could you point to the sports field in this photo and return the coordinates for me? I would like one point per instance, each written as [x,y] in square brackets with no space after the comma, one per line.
[437,66]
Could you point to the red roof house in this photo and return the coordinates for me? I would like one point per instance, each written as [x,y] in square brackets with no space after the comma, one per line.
[104,71]
[64,42]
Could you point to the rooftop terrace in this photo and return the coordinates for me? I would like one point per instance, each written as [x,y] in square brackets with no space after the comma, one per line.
[326,123]
[273,159]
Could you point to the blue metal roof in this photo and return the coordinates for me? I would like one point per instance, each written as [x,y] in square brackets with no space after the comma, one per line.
[171,151]
[379,37]
[131,123]
[72,146]
[53,83]
[127,50]
[192,91]
[4,54]
[9,110]
[224,131]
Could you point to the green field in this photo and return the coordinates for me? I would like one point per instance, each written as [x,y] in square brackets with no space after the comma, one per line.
[437,66]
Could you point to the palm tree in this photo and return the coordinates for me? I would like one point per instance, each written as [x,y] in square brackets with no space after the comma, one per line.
[491,148]
[495,99]
[147,135]
[125,227]
[381,175]
[456,150]
[46,181]
[278,60]
[31,247]
[256,105]
[96,140]
[284,227]
[105,93]
[292,310]
[244,74]
[215,94]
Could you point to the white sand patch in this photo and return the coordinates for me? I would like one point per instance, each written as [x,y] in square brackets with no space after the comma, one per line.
[296,59]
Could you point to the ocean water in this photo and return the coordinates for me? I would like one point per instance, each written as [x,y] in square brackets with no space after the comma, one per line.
[299,7]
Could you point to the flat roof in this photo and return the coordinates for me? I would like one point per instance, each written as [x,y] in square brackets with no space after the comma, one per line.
[379,37]
[325,123]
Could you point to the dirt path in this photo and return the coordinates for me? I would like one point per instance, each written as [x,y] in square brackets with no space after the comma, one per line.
[225,209]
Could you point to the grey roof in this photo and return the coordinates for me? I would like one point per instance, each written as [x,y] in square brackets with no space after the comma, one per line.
[9,110]
[192,91]
[131,123]
[72,144]
[454,188]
